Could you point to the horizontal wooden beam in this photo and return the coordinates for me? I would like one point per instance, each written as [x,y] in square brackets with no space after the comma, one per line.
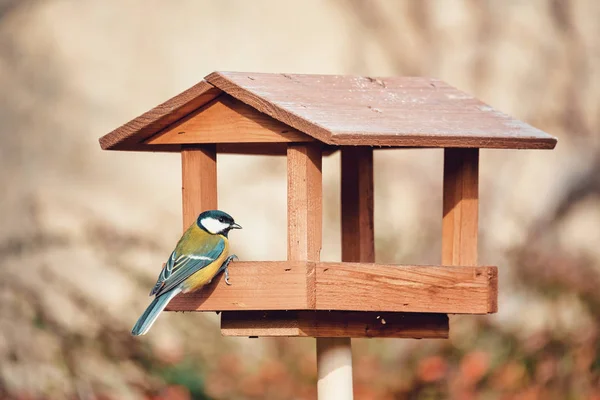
[264,285]
[335,324]
[260,149]
[227,120]
[297,285]
[437,289]
[251,149]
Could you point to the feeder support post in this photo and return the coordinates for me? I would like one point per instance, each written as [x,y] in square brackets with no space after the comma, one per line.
[198,181]
[305,220]
[334,355]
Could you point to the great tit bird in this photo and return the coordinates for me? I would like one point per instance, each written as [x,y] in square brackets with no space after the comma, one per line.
[201,254]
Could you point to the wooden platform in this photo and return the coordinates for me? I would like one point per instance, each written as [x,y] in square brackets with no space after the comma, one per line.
[295,285]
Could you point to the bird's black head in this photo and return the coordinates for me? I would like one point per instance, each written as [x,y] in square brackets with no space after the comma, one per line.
[216,222]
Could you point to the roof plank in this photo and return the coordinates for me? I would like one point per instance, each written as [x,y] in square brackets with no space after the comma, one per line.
[402,111]
[131,135]
[345,110]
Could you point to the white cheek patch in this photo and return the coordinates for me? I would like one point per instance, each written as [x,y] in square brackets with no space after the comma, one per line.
[214,226]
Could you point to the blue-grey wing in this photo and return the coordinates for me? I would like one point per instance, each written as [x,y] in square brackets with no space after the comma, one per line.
[187,264]
[165,273]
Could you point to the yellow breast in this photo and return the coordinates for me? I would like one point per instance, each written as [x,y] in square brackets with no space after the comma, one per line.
[206,274]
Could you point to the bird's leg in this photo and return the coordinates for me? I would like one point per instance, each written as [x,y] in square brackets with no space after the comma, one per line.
[224,266]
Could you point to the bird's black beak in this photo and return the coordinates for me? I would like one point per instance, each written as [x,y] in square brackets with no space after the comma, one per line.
[235,226]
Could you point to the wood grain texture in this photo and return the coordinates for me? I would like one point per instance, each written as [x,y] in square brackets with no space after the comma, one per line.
[305,205]
[261,323]
[305,202]
[264,285]
[304,230]
[358,234]
[401,111]
[430,289]
[227,120]
[460,207]
[335,286]
[346,110]
[199,181]
[131,135]
[269,149]
[334,354]
[198,191]
[357,199]
[324,324]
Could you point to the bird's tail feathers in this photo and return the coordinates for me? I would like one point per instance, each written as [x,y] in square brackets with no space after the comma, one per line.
[146,320]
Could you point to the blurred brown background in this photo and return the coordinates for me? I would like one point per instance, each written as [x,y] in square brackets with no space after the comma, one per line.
[84,232]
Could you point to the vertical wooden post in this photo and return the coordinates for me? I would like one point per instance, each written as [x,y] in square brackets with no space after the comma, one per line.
[461,207]
[334,355]
[305,202]
[199,181]
[305,219]
[358,235]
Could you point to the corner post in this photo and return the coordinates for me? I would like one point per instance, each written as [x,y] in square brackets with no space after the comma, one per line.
[199,181]
[358,232]
[460,207]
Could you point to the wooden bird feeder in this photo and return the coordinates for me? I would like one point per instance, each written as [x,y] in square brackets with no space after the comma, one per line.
[305,117]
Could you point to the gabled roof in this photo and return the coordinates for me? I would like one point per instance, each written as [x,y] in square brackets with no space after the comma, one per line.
[346,110]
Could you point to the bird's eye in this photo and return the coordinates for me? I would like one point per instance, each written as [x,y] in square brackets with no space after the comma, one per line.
[221,219]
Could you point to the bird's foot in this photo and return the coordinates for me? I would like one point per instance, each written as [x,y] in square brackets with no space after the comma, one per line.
[224,266]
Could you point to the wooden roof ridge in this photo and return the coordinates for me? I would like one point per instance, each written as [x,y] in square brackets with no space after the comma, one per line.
[274,110]
[346,110]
